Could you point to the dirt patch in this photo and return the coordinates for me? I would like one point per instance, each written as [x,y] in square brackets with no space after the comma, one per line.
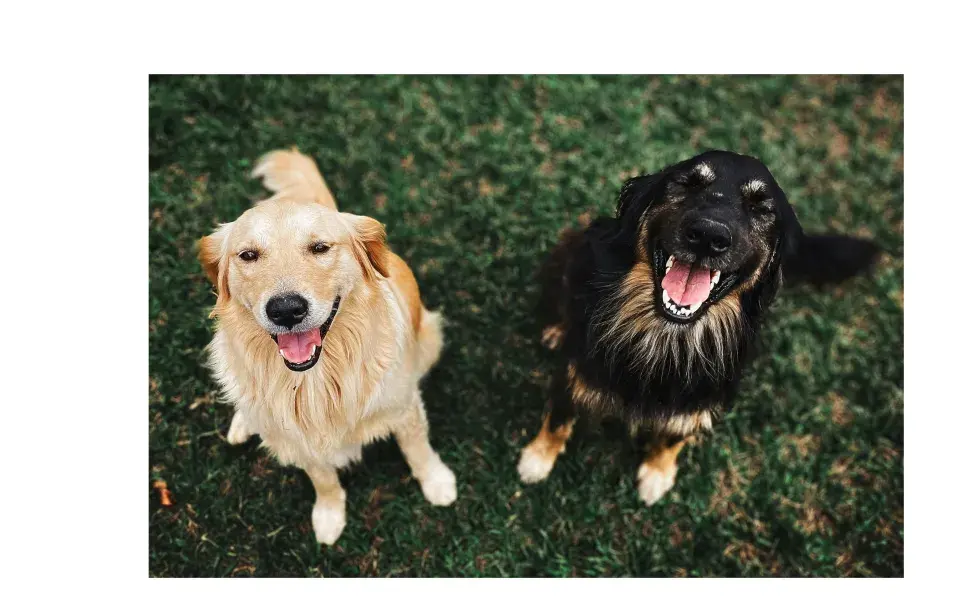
[839,146]
[840,410]
[487,189]
[798,447]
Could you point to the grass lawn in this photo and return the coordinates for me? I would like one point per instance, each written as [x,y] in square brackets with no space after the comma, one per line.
[474,177]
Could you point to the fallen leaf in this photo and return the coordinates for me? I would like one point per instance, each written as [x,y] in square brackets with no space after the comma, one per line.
[205,399]
[165,497]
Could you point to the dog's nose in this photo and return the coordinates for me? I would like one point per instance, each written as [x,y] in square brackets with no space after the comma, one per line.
[707,237]
[287,310]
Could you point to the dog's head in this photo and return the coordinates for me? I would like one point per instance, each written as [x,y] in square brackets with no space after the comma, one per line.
[708,226]
[288,265]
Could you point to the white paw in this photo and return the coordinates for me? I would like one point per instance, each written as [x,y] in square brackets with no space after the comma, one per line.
[239,431]
[534,466]
[328,521]
[652,484]
[439,485]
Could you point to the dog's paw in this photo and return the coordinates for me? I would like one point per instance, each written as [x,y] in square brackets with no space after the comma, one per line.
[439,485]
[328,521]
[552,336]
[653,483]
[534,464]
[239,432]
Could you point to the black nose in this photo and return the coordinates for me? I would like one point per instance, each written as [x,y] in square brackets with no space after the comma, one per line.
[287,310]
[707,237]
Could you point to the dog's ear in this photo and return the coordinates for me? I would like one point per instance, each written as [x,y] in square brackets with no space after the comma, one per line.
[791,232]
[213,257]
[636,195]
[370,245]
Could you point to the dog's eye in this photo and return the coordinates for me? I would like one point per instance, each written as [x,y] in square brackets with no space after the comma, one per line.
[248,255]
[691,180]
[319,248]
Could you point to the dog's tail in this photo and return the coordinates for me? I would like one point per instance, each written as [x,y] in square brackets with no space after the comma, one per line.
[289,172]
[430,340]
[826,259]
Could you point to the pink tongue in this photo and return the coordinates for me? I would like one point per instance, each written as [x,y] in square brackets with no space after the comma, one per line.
[298,347]
[687,284]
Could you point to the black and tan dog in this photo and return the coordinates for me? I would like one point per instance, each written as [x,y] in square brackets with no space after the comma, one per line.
[656,310]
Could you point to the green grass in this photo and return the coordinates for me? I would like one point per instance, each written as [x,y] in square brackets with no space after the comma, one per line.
[474,177]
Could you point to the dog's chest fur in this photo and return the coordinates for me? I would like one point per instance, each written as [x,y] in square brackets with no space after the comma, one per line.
[625,360]
[347,400]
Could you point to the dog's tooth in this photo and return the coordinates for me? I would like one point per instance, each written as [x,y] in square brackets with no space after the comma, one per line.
[715,277]
[670,262]
[664,294]
[695,307]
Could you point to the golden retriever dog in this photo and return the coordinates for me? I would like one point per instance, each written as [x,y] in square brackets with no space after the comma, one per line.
[321,337]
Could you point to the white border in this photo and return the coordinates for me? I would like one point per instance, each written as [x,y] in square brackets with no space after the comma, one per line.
[75,140]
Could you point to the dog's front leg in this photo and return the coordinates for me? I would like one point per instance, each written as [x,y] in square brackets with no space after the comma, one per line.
[240,430]
[657,472]
[436,480]
[539,456]
[329,514]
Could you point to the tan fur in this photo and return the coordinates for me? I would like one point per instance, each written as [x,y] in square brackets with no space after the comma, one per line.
[630,318]
[373,249]
[584,395]
[662,457]
[539,456]
[291,174]
[365,385]
[684,425]
[602,402]
[657,473]
[552,336]
[403,279]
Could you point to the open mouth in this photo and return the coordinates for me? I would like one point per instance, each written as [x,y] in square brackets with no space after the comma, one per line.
[688,289]
[301,350]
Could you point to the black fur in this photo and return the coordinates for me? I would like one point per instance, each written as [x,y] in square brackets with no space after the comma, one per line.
[587,269]
[825,259]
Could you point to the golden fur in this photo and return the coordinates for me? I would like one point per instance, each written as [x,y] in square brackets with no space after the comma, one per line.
[365,385]
[292,174]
